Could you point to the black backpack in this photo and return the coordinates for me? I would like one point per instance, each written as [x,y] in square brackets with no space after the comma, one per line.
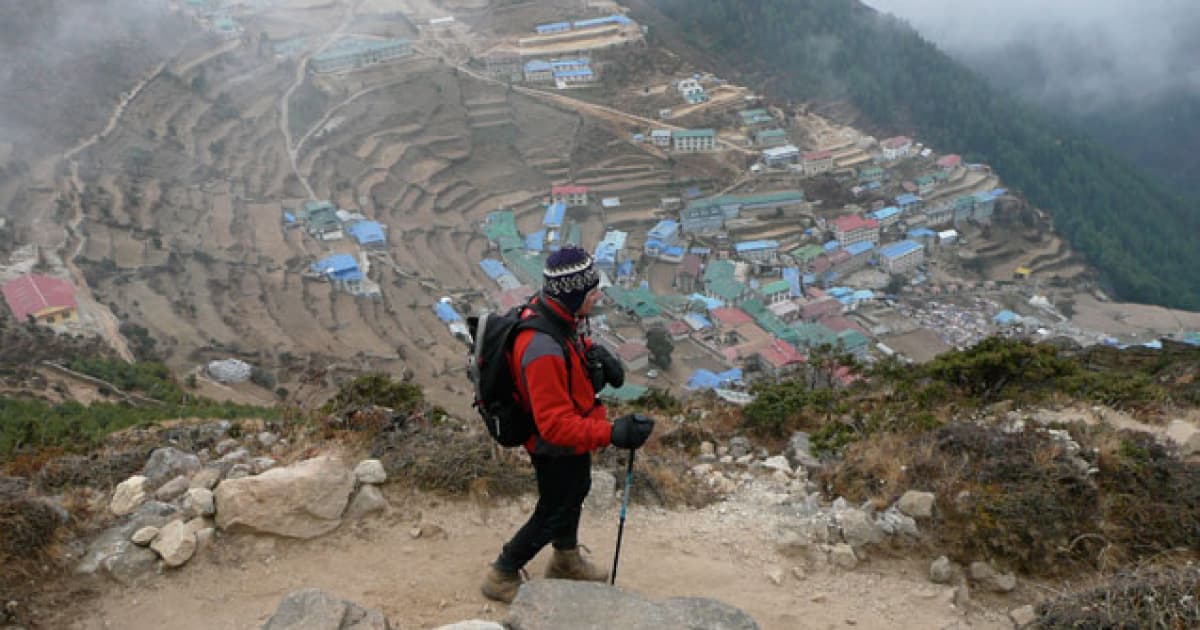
[496,396]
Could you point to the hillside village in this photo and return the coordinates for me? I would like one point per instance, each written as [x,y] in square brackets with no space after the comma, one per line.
[433,154]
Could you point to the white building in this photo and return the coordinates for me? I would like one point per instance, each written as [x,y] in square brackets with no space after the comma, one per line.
[779,157]
[896,148]
[817,162]
[901,257]
[661,138]
[694,140]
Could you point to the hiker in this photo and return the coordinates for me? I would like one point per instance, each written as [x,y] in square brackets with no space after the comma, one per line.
[569,424]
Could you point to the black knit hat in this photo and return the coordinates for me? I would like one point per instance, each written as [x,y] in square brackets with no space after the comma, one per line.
[569,276]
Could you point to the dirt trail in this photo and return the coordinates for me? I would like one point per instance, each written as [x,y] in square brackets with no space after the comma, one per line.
[721,551]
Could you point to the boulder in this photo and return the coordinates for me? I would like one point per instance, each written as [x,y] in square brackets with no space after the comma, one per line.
[1185,435]
[941,571]
[172,490]
[206,478]
[368,500]
[799,452]
[564,604]
[128,496]
[176,542]
[916,504]
[313,609]
[199,502]
[225,446]
[708,448]
[167,463]
[1023,617]
[236,456]
[370,471]
[125,568]
[892,521]
[144,536]
[985,575]
[303,500]
[603,494]
[474,624]
[267,439]
[795,537]
[778,463]
[843,556]
[858,528]
[740,447]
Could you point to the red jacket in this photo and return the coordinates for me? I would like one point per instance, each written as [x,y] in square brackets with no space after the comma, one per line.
[567,423]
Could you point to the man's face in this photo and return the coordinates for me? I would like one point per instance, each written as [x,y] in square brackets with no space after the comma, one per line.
[593,296]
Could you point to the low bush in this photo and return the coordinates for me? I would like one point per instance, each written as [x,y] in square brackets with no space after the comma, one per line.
[1151,597]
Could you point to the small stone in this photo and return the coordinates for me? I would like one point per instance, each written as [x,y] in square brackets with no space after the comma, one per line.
[267,439]
[779,462]
[237,456]
[917,504]
[172,489]
[798,573]
[1185,435]
[776,576]
[984,574]
[744,460]
[261,464]
[1023,617]
[370,471]
[199,502]
[144,535]
[858,529]
[176,543]
[204,538]
[225,446]
[722,451]
[414,533]
[740,447]
[708,448]
[962,596]
[851,621]
[842,556]
[128,496]
[780,476]
[238,471]
[818,598]
[368,500]
[702,470]
[726,459]
[206,478]
[941,571]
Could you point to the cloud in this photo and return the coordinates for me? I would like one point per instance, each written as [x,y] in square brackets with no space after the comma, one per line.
[1081,53]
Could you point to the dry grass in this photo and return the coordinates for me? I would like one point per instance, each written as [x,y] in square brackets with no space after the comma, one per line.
[1159,598]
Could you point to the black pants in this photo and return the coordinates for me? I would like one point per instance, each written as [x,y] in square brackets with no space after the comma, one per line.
[563,484]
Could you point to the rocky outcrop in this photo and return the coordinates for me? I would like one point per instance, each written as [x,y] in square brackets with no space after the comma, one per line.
[168,463]
[313,609]
[304,500]
[566,605]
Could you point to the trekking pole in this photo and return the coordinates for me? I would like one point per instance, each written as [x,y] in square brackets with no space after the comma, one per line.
[624,505]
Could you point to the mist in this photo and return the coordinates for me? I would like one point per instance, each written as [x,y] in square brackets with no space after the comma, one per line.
[1080,54]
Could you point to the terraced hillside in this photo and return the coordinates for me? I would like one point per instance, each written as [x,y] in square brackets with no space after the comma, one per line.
[183,205]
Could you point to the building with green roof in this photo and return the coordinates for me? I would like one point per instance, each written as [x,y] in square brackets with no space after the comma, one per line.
[356,52]
[627,393]
[810,336]
[806,254]
[639,302]
[854,342]
[777,291]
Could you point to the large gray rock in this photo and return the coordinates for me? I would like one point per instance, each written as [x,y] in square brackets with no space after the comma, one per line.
[176,542]
[128,495]
[313,609]
[568,605]
[303,500]
[985,575]
[740,447]
[370,471]
[167,463]
[368,500]
[858,528]
[799,452]
[127,567]
[172,490]
[941,571]
[114,541]
[916,504]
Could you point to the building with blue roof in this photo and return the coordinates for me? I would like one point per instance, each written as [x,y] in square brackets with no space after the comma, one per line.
[1006,318]
[924,236]
[555,213]
[860,248]
[609,249]
[697,322]
[357,52]
[619,20]
[552,27]
[902,256]
[702,379]
[908,201]
[886,216]
[763,251]
[445,312]
[574,76]
[536,241]
[368,234]
[339,269]
[539,71]
[493,268]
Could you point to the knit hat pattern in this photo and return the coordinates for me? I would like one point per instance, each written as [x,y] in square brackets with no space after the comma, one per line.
[569,276]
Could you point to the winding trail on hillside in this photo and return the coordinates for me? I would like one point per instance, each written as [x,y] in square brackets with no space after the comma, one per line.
[284,101]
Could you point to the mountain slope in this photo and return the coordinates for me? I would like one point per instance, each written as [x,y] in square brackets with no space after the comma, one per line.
[1140,237]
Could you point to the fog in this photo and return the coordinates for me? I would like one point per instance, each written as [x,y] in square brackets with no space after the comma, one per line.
[1080,53]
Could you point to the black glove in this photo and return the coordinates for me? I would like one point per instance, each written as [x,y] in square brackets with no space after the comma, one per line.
[631,431]
[604,367]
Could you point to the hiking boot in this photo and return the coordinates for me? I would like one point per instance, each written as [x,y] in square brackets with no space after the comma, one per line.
[571,565]
[501,585]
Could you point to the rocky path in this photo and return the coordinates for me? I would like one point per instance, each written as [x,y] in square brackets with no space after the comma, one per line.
[726,551]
